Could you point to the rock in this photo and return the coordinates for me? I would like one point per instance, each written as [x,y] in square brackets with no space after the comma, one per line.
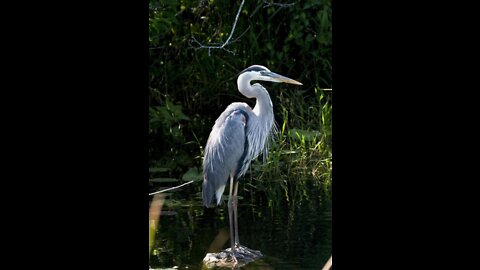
[226,258]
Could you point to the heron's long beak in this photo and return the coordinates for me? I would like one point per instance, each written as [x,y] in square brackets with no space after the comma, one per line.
[274,77]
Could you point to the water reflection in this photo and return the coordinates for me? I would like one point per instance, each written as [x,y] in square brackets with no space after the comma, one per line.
[292,231]
[219,242]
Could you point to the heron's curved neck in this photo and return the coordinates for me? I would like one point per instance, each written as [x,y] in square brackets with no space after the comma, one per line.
[264,103]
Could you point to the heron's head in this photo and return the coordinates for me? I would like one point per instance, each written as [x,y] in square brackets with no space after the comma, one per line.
[261,73]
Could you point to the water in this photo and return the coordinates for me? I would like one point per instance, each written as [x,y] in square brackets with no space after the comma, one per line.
[292,234]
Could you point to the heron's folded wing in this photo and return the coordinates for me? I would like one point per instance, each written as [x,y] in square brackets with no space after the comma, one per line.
[224,154]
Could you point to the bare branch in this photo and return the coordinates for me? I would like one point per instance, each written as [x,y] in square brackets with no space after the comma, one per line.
[234,24]
[271,4]
[236,39]
[168,189]
[227,42]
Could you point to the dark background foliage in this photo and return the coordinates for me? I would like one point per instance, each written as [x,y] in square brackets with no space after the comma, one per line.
[190,87]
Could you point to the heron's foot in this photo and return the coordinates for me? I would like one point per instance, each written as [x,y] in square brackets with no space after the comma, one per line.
[244,254]
[222,259]
[228,256]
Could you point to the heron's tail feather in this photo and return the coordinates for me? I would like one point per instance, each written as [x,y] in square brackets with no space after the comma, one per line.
[207,194]
[211,195]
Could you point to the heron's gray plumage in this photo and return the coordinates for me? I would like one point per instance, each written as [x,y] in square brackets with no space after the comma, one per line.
[225,147]
[240,134]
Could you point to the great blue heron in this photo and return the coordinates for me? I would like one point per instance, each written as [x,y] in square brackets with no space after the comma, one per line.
[239,135]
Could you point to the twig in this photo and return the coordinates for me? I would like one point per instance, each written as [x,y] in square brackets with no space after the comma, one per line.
[234,24]
[201,46]
[270,4]
[239,36]
[227,42]
[168,189]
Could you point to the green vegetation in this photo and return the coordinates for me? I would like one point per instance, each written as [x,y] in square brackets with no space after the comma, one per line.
[301,157]
[190,87]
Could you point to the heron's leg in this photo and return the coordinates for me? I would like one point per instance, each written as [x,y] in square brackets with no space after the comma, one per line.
[230,215]
[235,204]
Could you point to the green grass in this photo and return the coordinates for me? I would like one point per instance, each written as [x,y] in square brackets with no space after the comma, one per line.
[301,155]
